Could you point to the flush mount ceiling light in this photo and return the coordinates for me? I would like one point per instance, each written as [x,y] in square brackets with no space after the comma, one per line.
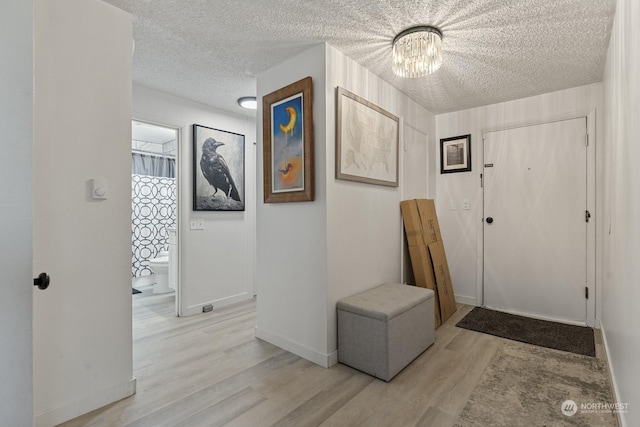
[417,52]
[248,102]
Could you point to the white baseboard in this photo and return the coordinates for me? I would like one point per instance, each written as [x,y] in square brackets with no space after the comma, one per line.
[197,309]
[461,299]
[598,324]
[332,358]
[88,403]
[612,375]
[324,360]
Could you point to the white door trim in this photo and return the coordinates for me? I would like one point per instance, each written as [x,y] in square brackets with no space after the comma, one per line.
[590,116]
[180,311]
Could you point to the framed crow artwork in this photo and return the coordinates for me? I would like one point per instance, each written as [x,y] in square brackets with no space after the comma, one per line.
[287,121]
[218,170]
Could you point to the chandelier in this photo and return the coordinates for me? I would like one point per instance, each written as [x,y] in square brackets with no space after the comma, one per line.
[417,52]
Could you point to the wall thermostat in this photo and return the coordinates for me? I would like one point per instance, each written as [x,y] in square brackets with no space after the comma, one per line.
[99,188]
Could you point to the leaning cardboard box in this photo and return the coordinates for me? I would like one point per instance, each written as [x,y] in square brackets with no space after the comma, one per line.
[428,259]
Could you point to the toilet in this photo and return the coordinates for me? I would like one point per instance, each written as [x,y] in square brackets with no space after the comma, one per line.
[160,267]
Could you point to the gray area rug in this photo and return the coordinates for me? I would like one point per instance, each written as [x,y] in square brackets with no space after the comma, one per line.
[575,339]
[508,395]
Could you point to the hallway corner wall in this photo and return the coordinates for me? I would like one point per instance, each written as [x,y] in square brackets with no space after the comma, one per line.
[291,243]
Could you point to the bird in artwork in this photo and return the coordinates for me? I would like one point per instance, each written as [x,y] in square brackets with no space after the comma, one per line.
[215,170]
[286,170]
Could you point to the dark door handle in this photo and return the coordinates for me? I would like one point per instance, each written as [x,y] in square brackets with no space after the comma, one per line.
[489,220]
[42,281]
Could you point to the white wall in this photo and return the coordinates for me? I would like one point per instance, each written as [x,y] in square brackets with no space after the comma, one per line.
[461,228]
[16,117]
[291,274]
[350,238]
[364,225]
[620,316]
[82,129]
[216,264]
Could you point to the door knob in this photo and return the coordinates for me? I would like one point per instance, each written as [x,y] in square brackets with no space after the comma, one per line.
[489,220]
[42,281]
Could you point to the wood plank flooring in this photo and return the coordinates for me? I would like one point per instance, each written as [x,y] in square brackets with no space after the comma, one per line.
[210,370]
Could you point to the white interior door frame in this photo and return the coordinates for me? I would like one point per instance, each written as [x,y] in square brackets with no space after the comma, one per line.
[179,203]
[590,116]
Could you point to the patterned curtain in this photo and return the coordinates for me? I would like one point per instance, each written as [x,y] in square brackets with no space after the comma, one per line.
[153,206]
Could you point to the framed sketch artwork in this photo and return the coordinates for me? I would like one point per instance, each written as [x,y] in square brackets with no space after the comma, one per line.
[218,170]
[287,122]
[366,141]
[455,154]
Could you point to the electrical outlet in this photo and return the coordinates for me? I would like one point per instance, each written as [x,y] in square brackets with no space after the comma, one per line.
[466,204]
[196,224]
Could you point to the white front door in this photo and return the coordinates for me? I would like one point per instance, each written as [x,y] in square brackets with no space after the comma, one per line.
[535,233]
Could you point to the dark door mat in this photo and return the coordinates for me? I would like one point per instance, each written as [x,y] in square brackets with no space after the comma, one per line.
[135,291]
[574,339]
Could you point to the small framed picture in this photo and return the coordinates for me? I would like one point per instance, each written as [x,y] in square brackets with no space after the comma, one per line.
[455,154]
[288,143]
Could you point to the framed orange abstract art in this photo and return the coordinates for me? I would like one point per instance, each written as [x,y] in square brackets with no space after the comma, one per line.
[287,121]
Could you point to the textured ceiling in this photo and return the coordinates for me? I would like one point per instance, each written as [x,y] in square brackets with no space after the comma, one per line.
[493,50]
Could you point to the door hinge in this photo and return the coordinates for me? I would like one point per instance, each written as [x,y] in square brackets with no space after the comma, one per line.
[586,140]
[481,183]
[587,215]
[586,292]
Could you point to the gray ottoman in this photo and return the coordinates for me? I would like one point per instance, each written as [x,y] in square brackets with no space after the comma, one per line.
[380,331]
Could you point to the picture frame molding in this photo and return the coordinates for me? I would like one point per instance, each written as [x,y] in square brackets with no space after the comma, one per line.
[304,87]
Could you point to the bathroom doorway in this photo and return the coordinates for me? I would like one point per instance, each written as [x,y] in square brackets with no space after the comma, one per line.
[154,213]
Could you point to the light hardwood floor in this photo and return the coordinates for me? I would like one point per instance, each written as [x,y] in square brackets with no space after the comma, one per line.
[210,370]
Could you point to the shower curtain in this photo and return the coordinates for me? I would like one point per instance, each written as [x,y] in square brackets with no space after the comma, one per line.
[153,206]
